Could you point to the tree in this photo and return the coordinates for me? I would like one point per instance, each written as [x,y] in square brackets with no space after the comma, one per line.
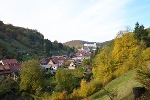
[19,37]
[47,46]
[88,88]
[123,46]
[1,26]
[6,84]
[3,50]
[62,95]
[31,76]
[60,45]
[65,79]
[103,69]
[67,63]
[55,45]
[86,62]
[143,76]
[141,34]
[126,53]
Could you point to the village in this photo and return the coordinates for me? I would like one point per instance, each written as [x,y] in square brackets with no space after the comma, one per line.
[12,67]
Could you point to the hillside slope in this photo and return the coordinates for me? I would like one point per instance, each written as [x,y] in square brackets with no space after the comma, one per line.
[119,89]
[75,43]
[21,43]
[17,50]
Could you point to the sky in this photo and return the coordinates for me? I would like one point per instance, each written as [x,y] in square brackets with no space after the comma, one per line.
[67,20]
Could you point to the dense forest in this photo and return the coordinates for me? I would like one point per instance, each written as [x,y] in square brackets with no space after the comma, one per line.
[23,43]
[128,51]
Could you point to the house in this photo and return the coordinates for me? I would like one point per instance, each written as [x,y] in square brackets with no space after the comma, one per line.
[44,61]
[54,67]
[60,60]
[72,62]
[71,67]
[53,63]
[90,44]
[9,67]
[47,67]
[82,54]
[50,66]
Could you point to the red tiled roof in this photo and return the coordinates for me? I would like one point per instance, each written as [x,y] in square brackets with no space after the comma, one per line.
[6,67]
[13,68]
[71,60]
[18,66]
[1,67]
[10,65]
[44,61]
[83,53]
[56,60]
[9,61]
[61,61]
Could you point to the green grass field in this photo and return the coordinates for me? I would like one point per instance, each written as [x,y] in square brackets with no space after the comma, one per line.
[118,89]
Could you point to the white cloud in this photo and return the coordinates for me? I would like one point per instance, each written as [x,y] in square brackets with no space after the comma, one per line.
[66,20]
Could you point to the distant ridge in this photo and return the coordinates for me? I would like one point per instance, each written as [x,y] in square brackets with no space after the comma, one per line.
[75,43]
[79,43]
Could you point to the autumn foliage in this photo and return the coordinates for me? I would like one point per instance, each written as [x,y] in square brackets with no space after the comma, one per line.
[126,52]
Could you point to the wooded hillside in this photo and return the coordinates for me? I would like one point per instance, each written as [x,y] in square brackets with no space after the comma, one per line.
[16,42]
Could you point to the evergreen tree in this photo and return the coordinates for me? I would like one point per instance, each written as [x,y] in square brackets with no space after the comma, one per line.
[141,34]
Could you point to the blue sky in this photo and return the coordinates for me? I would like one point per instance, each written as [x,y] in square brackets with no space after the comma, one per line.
[66,20]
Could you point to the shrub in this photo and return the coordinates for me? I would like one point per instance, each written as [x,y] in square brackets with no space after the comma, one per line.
[75,95]
[143,76]
[23,94]
[54,96]
[62,95]
[89,88]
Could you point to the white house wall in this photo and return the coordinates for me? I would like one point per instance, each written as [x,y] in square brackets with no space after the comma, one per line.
[90,45]
[45,66]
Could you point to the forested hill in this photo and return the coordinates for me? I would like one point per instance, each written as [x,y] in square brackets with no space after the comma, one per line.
[79,43]
[23,43]
[75,43]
